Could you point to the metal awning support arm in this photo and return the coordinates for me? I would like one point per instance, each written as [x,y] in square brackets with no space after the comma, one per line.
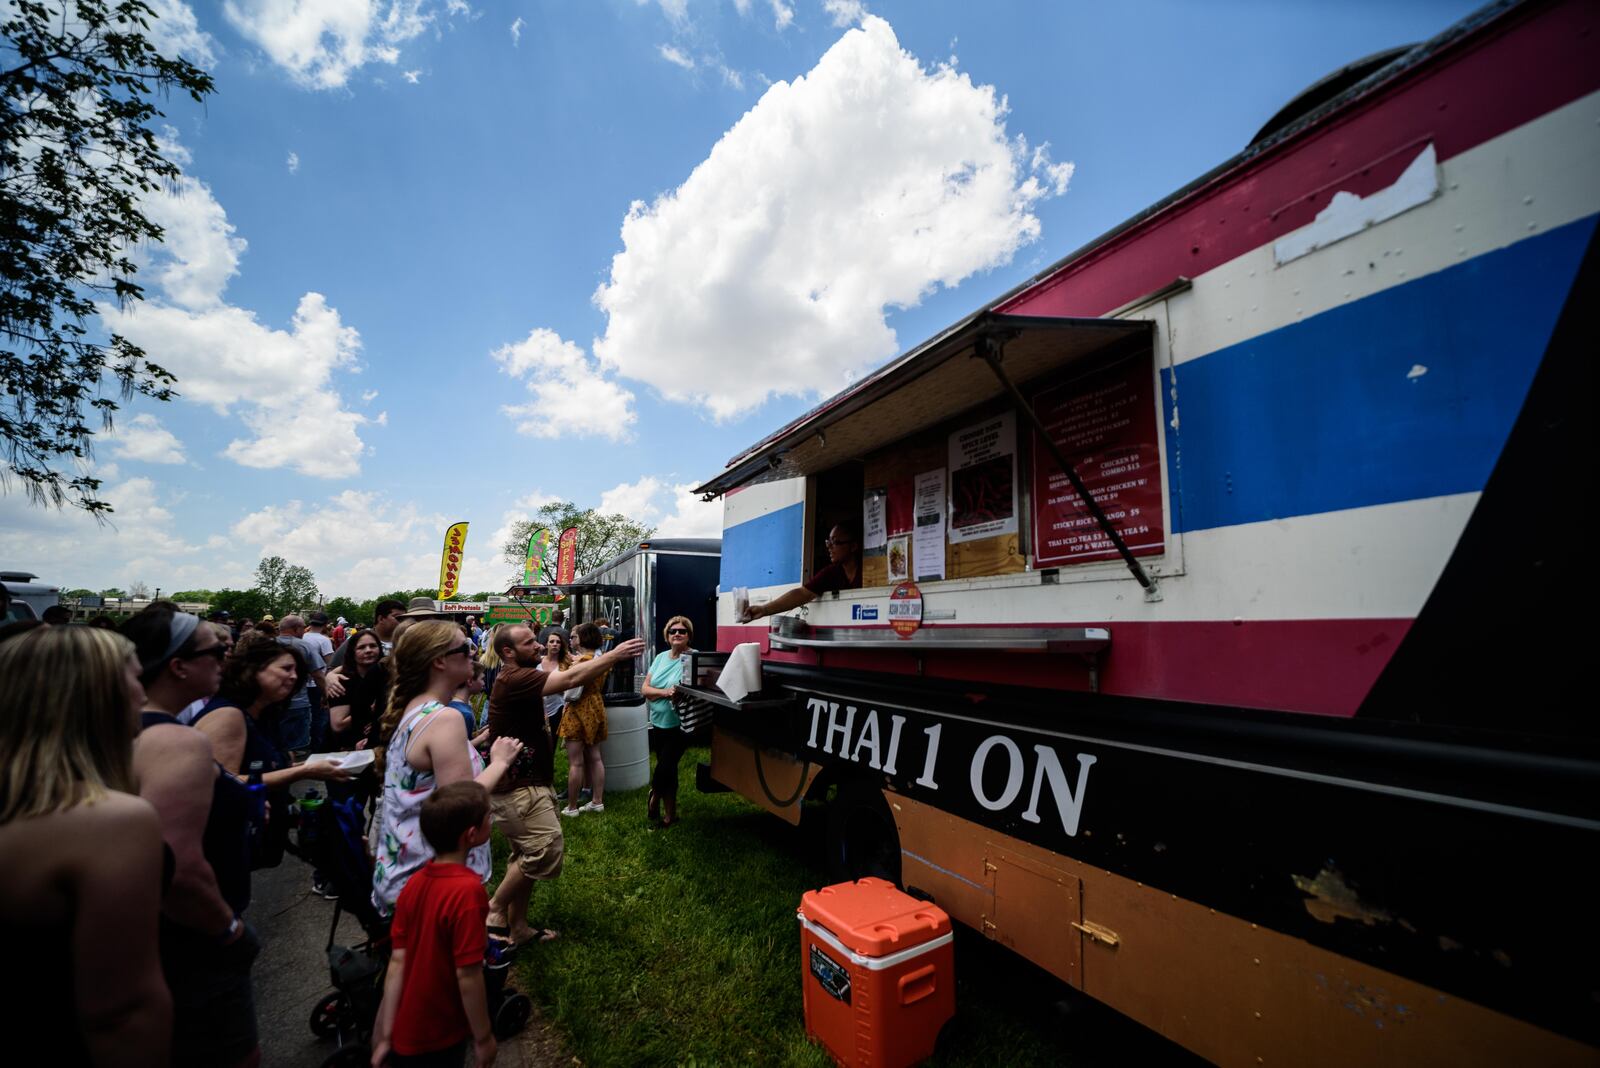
[992,350]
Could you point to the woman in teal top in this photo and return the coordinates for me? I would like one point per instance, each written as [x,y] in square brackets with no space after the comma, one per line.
[661,685]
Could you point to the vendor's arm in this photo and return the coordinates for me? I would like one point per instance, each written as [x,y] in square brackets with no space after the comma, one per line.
[782,603]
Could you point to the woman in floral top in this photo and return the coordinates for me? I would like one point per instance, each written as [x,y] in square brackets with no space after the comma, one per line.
[425,746]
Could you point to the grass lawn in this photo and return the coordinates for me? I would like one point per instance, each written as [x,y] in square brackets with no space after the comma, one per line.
[680,946]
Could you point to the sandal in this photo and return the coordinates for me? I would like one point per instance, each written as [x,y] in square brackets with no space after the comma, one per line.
[652,808]
[539,935]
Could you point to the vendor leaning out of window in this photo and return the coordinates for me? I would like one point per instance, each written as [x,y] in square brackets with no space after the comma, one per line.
[842,573]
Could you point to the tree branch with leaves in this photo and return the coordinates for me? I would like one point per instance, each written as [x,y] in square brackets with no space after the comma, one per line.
[600,537]
[77,155]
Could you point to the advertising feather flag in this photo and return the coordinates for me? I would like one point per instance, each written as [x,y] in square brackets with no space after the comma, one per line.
[455,548]
[567,556]
[534,571]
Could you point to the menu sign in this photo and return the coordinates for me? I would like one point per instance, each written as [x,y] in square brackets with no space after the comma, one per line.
[1104,422]
[983,482]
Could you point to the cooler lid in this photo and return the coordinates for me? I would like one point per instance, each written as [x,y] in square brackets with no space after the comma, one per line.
[872,917]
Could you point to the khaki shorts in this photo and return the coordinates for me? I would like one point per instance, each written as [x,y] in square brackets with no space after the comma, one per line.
[527,817]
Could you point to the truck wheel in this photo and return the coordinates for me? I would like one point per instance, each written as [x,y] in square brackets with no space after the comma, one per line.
[862,837]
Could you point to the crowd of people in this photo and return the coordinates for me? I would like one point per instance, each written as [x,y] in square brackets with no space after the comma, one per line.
[147,772]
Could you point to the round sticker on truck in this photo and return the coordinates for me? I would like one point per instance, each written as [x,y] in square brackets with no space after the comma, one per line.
[905,609]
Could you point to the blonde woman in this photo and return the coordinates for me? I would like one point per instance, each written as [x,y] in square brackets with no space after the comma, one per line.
[82,854]
[424,746]
[583,728]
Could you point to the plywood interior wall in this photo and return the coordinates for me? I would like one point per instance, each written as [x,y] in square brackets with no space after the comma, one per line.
[896,469]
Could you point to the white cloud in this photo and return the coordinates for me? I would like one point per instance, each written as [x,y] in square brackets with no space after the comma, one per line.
[677,57]
[458,7]
[570,394]
[678,10]
[279,382]
[411,75]
[293,163]
[782,14]
[845,12]
[69,548]
[632,499]
[858,188]
[672,509]
[144,438]
[199,252]
[174,32]
[322,42]
[516,32]
[369,396]
[731,77]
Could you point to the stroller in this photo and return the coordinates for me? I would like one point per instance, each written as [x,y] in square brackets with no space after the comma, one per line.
[333,837]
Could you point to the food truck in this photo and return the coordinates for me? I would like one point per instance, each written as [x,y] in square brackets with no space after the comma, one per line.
[1215,647]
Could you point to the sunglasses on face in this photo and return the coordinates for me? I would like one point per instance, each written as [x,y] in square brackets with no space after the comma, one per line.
[464,647]
[218,651]
[676,631]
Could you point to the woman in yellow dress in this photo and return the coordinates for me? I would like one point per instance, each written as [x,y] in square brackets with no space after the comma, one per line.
[583,727]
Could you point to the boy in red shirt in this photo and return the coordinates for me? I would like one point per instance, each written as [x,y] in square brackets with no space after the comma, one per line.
[433,996]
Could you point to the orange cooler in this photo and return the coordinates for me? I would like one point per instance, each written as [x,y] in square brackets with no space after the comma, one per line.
[878,973]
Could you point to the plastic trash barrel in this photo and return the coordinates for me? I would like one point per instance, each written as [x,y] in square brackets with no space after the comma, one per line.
[626,750]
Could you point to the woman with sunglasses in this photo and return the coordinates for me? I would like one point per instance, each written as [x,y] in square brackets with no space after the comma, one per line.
[666,738]
[424,745]
[206,949]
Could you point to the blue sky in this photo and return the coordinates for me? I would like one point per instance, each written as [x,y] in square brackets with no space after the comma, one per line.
[435,260]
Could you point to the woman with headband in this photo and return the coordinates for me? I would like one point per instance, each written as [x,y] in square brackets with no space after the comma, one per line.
[206,949]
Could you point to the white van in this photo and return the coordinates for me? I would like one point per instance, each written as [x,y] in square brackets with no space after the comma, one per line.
[29,599]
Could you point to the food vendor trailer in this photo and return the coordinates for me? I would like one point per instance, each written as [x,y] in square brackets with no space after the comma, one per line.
[1214,648]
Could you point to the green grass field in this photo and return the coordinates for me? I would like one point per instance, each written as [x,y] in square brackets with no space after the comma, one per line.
[680,946]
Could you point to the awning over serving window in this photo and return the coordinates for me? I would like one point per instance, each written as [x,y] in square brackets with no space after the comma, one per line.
[934,382]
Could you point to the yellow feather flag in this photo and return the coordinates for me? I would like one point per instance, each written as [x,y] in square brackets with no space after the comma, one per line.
[455,548]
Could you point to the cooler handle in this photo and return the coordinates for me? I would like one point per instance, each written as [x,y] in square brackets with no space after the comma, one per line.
[916,985]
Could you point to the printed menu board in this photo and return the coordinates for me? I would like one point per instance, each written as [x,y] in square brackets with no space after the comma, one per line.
[1105,424]
[983,480]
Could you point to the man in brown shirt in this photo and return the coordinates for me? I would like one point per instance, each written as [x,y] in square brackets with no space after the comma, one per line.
[525,804]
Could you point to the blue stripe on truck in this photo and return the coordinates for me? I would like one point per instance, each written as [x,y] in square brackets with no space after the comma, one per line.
[765,551]
[1406,394]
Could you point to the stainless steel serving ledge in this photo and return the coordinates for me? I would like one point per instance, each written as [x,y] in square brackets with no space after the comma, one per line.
[1084,641]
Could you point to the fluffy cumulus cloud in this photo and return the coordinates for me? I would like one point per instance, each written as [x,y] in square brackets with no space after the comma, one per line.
[856,189]
[321,43]
[570,395]
[174,32]
[361,544]
[845,12]
[670,507]
[199,252]
[278,384]
[144,438]
[142,541]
